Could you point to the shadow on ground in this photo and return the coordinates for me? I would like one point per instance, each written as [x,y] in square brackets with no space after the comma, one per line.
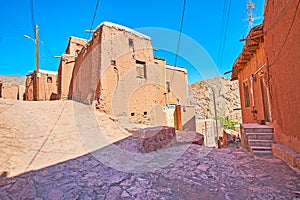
[198,173]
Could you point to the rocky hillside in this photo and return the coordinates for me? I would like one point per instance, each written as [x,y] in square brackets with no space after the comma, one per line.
[13,80]
[226,94]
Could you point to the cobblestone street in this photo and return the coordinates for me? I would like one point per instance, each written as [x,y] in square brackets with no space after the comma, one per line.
[43,156]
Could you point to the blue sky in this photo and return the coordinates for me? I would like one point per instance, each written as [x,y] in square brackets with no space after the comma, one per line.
[58,20]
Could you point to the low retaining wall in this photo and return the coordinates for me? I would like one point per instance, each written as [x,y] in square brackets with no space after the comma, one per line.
[286,154]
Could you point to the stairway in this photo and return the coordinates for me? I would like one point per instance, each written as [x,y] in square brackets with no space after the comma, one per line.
[258,139]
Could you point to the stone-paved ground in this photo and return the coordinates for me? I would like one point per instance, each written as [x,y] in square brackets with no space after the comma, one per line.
[200,173]
[46,158]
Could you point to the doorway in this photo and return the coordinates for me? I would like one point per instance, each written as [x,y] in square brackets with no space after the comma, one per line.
[170,115]
[265,99]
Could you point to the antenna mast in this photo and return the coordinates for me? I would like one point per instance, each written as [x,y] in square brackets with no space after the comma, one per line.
[250,7]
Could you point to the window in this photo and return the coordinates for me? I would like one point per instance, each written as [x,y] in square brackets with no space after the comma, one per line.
[77,52]
[130,42]
[246,94]
[141,69]
[49,79]
[168,88]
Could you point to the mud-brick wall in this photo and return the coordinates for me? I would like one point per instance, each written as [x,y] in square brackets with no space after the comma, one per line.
[256,62]
[118,72]
[282,44]
[10,92]
[48,87]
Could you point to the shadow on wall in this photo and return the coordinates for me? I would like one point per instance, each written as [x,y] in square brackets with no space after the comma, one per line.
[53,96]
[190,124]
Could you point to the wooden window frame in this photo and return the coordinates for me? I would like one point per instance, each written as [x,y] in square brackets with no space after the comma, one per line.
[246,91]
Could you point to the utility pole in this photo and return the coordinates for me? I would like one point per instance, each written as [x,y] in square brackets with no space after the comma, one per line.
[216,117]
[37,72]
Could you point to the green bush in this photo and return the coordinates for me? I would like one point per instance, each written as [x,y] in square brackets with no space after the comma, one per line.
[227,123]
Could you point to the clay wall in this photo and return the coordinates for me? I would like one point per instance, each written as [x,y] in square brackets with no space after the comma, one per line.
[282,42]
[10,92]
[256,67]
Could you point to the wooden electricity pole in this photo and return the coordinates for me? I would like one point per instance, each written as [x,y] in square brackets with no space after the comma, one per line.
[37,72]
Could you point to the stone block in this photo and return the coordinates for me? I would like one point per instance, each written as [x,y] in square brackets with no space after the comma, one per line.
[155,138]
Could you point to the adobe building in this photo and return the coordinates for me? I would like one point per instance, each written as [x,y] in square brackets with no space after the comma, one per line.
[269,80]
[117,69]
[66,66]
[11,91]
[282,42]
[47,87]
[250,68]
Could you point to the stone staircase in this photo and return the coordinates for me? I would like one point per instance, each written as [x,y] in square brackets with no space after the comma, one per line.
[257,139]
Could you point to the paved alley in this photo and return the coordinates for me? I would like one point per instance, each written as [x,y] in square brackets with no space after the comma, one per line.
[46,154]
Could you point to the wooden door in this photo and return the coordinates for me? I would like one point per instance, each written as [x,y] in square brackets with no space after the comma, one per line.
[265,98]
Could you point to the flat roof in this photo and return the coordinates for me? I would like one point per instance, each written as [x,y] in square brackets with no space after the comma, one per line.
[121,27]
[176,68]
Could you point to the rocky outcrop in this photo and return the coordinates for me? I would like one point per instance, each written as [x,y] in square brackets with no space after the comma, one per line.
[13,80]
[225,93]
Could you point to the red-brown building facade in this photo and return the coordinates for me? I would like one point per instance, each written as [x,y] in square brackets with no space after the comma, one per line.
[268,72]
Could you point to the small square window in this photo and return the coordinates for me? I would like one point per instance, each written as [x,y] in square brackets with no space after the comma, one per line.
[168,86]
[141,69]
[130,42]
[49,79]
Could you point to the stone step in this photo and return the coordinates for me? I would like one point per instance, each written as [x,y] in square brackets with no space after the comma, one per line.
[260,148]
[259,136]
[259,130]
[262,153]
[267,143]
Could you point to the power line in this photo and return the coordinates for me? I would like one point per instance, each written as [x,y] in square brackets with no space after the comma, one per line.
[225,35]
[277,18]
[32,16]
[287,35]
[51,54]
[224,29]
[179,38]
[95,12]
[180,32]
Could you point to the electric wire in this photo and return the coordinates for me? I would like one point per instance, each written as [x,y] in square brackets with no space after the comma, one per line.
[32,16]
[224,30]
[180,32]
[94,16]
[179,39]
[287,35]
[277,18]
